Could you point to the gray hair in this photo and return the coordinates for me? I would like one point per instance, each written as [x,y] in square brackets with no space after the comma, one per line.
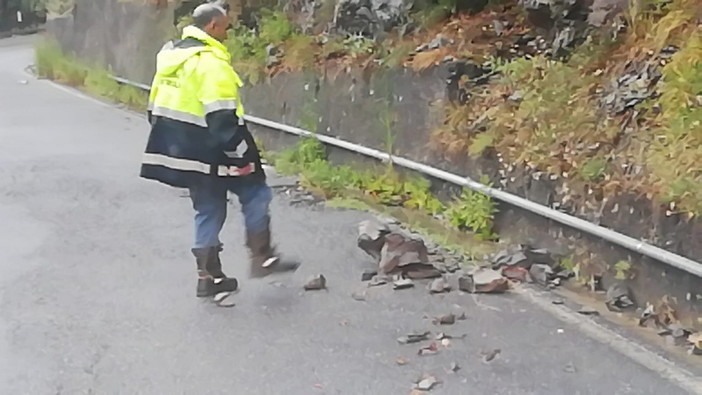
[206,13]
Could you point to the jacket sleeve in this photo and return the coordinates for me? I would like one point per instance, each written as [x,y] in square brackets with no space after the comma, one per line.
[219,95]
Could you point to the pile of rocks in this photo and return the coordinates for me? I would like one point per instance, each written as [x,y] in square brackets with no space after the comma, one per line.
[528,264]
[402,257]
[397,251]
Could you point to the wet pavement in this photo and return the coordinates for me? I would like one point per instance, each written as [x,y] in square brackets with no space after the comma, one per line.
[97,286]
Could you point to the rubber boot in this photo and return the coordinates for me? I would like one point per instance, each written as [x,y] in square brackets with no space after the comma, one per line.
[211,280]
[264,260]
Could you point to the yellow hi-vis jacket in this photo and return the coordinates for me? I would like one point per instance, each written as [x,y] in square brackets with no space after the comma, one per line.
[197,129]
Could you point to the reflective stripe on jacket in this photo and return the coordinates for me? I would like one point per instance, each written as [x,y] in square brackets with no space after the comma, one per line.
[198,134]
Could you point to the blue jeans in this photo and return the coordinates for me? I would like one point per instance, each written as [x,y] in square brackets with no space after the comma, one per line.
[210,204]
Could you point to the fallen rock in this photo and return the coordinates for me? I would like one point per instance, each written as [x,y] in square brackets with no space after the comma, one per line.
[316,283]
[490,356]
[648,316]
[439,285]
[420,272]
[402,283]
[368,275]
[371,237]
[446,267]
[500,257]
[441,336]
[454,367]
[618,297]
[415,337]
[678,331]
[399,251]
[663,332]
[427,383]
[448,319]
[540,255]
[431,349]
[587,310]
[518,259]
[359,296]
[380,279]
[565,274]
[569,368]
[516,273]
[507,258]
[483,280]
[541,273]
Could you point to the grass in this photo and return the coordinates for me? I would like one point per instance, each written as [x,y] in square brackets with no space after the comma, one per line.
[383,185]
[675,155]
[52,63]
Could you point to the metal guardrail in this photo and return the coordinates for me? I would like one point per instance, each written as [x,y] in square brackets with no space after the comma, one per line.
[641,247]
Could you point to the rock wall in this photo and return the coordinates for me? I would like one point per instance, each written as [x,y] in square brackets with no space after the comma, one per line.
[121,36]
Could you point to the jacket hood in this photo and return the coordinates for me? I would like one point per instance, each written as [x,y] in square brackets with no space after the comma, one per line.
[172,58]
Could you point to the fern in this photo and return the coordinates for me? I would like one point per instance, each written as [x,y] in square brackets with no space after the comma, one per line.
[474,211]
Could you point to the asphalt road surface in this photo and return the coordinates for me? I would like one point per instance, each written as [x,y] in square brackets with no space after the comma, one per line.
[97,286]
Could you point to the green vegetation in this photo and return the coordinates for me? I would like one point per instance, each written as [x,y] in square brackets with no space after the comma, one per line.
[675,156]
[567,263]
[348,203]
[539,123]
[593,169]
[472,211]
[52,63]
[250,48]
[622,270]
[555,123]
[435,12]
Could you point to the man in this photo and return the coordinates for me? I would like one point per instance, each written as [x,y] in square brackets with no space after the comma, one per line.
[199,141]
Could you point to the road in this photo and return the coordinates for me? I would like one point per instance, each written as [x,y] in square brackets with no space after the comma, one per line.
[97,286]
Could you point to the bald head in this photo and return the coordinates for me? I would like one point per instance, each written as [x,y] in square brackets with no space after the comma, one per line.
[212,18]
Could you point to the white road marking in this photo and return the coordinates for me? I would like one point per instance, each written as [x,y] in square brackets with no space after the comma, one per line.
[636,352]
